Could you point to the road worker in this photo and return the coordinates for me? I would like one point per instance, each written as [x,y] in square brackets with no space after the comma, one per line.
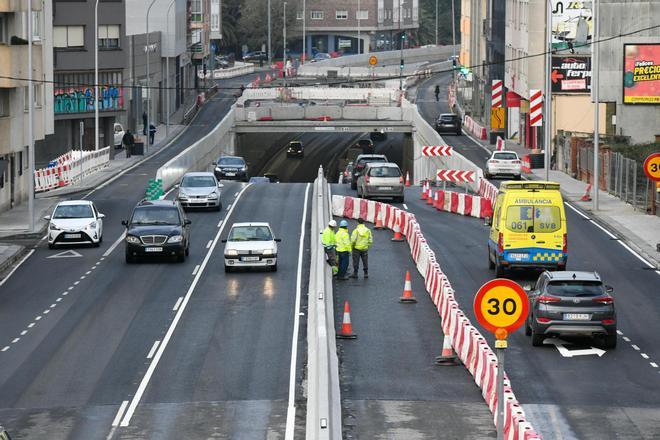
[330,244]
[361,240]
[343,249]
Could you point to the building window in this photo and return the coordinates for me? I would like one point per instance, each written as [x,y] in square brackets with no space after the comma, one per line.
[196,11]
[299,15]
[36,98]
[316,15]
[4,102]
[341,15]
[68,36]
[362,14]
[108,36]
[36,26]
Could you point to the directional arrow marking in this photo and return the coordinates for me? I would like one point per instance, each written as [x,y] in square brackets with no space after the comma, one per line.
[66,254]
[565,352]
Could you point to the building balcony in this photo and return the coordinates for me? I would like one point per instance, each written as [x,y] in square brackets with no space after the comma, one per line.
[14,64]
[17,5]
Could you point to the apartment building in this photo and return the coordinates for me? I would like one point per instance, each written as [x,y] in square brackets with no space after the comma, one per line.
[14,142]
[378,24]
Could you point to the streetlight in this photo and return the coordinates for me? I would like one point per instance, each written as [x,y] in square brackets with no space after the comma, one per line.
[167,71]
[436,22]
[302,59]
[284,47]
[358,20]
[270,59]
[596,93]
[30,118]
[547,122]
[401,44]
[96,80]
[146,148]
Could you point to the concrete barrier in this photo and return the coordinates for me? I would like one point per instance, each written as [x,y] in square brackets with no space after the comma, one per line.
[318,111]
[360,113]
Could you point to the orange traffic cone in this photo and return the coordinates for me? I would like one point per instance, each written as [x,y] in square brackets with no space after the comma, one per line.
[424,191]
[407,291]
[379,222]
[587,194]
[407,178]
[436,200]
[430,199]
[397,232]
[448,357]
[346,331]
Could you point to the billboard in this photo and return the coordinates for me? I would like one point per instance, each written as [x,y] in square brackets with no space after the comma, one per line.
[571,74]
[641,74]
[572,26]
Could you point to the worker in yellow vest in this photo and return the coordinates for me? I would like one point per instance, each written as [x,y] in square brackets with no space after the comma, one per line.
[361,239]
[329,242]
[343,249]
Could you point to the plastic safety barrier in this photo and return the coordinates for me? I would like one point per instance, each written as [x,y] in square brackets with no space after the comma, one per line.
[473,127]
[69,168]
[468,343]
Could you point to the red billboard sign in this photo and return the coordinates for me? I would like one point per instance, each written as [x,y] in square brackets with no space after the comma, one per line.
[641,74]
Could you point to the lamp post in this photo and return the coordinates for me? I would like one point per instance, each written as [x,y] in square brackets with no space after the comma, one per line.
[436,22]
[358,23]
[270,59]
[146,147]
[167,71]
[596,93]
[453,41]
[96,80]
[302,59]
[401,44]
[284,47]
[30,118]
[547,122]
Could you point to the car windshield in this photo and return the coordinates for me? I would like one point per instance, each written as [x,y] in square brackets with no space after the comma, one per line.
[366,160]
[235,161]
[447,118]
[197,182]
[505,156]
[533,219]
[156,215]
[575,288]
[73,211]
[250,233]
[384,172]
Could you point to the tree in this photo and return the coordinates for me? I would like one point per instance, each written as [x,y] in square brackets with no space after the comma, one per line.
[253,23]
[426,33]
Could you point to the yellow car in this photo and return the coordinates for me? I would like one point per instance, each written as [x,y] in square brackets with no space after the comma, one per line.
[528,228]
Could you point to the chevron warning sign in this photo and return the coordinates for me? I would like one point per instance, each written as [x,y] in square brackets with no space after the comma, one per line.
[438,150]
[535,108]
[496,93]
[455,176]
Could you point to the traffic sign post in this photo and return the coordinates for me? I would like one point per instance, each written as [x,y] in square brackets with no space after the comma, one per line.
[652,167]
[501,307]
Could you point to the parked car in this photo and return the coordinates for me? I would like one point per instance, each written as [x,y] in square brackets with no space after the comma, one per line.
[231,168]
[381,179]
[503,163]
[251,245]
[75,222]
[199,190]
[295,149]
[255,57]
[360,162]
[347,174]
[571,303]
[367,146]
[274,178]
[157,228]
[225,61]
[320,56]
[448,122]
[118,135]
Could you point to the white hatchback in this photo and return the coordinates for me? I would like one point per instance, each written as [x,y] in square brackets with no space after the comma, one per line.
[251,245]
[74,222]
[503,163]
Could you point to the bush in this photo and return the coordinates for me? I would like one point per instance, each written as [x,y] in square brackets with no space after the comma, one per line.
[638,152]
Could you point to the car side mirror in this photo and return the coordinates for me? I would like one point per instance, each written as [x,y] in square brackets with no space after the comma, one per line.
[278,240]
[124,222]
[609,289]
[101,215]
[47,218]
[214,163]
[187,221]
[177,186]
[224,240]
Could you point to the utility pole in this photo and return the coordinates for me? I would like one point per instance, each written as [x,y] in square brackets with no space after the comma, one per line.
[436,22]
[167,71]
[146,143]
[270,59]
[30,117]
[401,44]
[547,117]
[96,79]
[453,41]
[596,94]
[304,55]
[284,47]
[358,23]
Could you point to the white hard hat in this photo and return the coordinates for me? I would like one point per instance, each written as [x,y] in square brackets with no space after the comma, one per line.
[332,224]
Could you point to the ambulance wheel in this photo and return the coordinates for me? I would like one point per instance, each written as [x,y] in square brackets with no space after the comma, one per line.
[499,270]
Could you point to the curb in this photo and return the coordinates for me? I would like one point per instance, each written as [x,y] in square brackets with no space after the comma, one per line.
[9,262]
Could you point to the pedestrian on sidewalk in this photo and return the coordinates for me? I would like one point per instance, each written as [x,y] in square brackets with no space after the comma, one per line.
[361,240]
[152,134]
[343,249]
[437,93]
[128,140]
[144,123]
[329,242]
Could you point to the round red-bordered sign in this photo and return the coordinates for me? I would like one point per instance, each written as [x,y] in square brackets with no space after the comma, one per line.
[501,303]
[652,167]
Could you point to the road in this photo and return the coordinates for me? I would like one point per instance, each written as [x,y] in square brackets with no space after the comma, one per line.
[79,338]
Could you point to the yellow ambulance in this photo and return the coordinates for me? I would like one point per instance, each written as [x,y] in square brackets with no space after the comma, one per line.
[528,228]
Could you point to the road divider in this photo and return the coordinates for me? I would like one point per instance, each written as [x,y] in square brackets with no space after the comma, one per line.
[465,339]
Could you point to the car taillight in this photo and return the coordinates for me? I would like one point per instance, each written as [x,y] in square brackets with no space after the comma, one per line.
[494,161]
[500,243]
[604,300]
[564,248]
[543,320]
[366,179]
[545,299]
[608,321]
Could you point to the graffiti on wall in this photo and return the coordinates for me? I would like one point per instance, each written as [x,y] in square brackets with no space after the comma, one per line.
[81,99]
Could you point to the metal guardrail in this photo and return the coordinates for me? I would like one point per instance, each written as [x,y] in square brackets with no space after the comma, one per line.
[323,396]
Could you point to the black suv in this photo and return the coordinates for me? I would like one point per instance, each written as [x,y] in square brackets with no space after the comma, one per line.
[158,228]
[367,146]
[448,122]
[295,149]
[571,303]
[231,168]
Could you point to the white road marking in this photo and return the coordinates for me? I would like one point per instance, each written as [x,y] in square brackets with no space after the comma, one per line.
[45,312]
[52,306]
[235,194]
[88,272]
[100,259]
[639,257]
[604,230]
[626,338]
[37,318]
[619,332]
[635,347]
[577,211]
[654,365]
[220,222]
[208,245]
[565,352]
[24,332]
[229,206]
[170,331]
[644,355]
[83,277]
[32,324]
[58,299]
[197,267]
[114,245]
[178,303]
[15,340]
[5,348]
[65,293]
[291,410]
[71,288]
[405,206]
[478,144]
[94,267]
[122,408]
[66,254]
[153,349]
[4,280]
[75,283]
[164,196]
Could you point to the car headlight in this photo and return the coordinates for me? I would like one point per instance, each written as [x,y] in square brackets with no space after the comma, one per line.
[175,239]
[231,253]
[268,252]
[213,195]
[92,225]
[53,227]
[132,239]
[183,195]
[218,169]
[243,168]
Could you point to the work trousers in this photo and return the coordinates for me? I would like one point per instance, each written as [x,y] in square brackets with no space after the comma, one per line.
[343,263]
[360,254]
[331,253]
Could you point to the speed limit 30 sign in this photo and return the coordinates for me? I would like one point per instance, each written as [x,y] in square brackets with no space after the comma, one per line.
[652,167]
[501,304]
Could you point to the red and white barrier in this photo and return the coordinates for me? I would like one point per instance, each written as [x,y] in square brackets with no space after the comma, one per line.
[487,190]
[468,343]
[500,145]
[462,204]
[473,127]
[69,168]
[525,166]
[436,150]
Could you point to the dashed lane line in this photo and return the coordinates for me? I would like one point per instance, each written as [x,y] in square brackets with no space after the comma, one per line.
[178,303]
[153,349]
[194,272]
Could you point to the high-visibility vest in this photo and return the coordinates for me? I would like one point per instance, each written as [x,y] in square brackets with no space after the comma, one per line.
[343,240]
[362,238]
[328,238]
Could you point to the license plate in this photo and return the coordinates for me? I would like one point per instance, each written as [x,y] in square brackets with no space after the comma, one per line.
[230,174]
[72,235]
[385,188]
[515,256]
[153,249]
[249,258]
[577,316]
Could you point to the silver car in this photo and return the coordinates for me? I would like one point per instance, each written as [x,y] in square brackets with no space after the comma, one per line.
[199,190]
[251,245]
[381,179]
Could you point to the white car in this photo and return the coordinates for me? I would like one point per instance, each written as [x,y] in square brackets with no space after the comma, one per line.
[251,245]
[118,135]
[503,163]
[75,221]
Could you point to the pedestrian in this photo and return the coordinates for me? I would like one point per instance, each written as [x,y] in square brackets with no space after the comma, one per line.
[128,140]
[144,123]
[329,242]
[152,133]
[343,249]
[361,240]
[437,93]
